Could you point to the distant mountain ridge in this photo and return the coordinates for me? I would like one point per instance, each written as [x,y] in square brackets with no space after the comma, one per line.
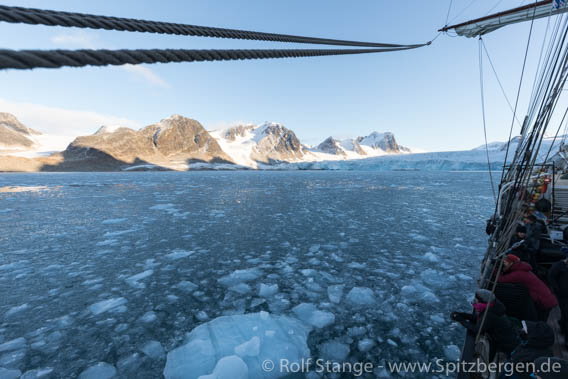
[181,143]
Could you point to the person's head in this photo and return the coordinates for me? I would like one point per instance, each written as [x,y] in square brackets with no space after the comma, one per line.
[509,261]
[521,231]
[484,296]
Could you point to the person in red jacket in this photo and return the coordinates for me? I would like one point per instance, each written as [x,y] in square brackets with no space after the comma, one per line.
[518,272]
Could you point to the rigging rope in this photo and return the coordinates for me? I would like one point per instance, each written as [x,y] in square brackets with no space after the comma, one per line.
[28,59]
[499,82]
[483,114]
[80,20]
[518,95]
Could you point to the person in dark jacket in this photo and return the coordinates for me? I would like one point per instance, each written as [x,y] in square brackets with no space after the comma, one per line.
[515,271]
[524,252]
[537,339]
[497,325]
[558,280]
[535,229]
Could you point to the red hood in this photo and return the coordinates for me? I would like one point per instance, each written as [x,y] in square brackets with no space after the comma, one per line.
[521,266]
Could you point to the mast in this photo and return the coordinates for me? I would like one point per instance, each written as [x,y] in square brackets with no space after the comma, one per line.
[490,23]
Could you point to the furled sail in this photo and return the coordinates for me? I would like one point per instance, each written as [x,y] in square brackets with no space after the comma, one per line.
[495,21]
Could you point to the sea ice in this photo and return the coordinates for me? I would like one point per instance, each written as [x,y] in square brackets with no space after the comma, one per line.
[309,313]
[111,221]
[15,344]
[153,349]
[250,348]
[186,286]
[241,288]
[335,293]
[452,352]
[107,305]
[238,276]
[361,296]
[6,373]
[365,345]
[134,279]
[36,373]
[148,317]
[12,311]
[231,367]
[101,370]
[178,254]
[334,351]
[267,290]
[279,337]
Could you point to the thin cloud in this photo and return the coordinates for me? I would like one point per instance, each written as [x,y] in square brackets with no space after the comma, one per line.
[60,121]
[85,40]
[145,73]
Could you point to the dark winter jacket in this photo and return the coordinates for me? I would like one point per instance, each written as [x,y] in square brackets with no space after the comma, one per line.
[540,338]
[521,273]
[534,232]
[497,325]
[524,252]
[538,343]
[558,278]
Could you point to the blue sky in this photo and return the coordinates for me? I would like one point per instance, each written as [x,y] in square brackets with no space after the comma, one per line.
[429,97]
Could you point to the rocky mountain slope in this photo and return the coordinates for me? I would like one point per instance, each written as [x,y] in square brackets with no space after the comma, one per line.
[174,141]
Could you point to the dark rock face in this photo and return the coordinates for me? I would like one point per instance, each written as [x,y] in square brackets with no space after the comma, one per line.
[14,134]
[231,134]
[180,135]
[331,146]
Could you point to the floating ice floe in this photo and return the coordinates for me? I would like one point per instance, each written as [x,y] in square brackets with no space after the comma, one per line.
[310,314]
[235,347]
[114,304]
[6,373]
[179,254]
[267,290]
[186,286]
[335,293]
[153,349]
[101,370]
[334,351]
[452,352]
[239,276]
[134,280]
[361,296]
[111,221]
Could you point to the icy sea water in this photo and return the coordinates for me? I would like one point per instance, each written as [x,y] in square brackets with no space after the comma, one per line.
[118,267]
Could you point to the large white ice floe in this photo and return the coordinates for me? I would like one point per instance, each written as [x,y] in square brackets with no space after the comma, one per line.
[238,345]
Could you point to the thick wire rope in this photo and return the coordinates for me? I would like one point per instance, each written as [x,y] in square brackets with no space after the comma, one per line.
[29,59]
[80,20]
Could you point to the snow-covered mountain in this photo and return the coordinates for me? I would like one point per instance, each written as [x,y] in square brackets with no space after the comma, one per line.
[382,141]
[373,145]
[257,145]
